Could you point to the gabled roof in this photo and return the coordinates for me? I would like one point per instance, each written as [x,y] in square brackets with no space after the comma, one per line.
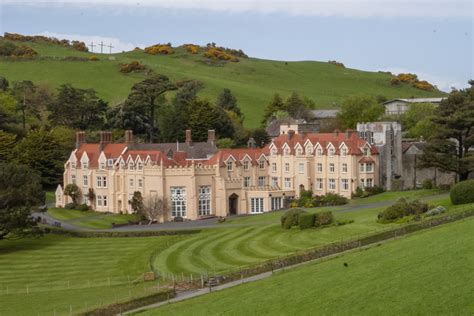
[353,142]
[254,154]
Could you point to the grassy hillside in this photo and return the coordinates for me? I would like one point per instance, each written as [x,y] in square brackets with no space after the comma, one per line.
[430,273]
[252,80]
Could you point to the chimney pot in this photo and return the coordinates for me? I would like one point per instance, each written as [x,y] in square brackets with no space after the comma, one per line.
[128,136]
[105,138]
[80,138]
[291,133]
[211,136]
[189,139]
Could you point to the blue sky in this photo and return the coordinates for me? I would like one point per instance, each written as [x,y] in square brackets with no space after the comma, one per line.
[431,38]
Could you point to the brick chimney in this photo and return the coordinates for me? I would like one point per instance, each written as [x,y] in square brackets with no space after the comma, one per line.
[291,133]
[128,136]
[211,136]
[80,138]
[349,133]
[105,138]
[188,140]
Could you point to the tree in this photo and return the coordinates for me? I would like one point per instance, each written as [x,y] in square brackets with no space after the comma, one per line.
[297,107]
[227,101]
[225,143]
[136,203]
[90,195]
[453,135]
[4,84]
[7,142]
[20,189]
[45,152]
[77,108]
[417,120]
[275,105]
[173,118]
[203,117]
[73,191]
[358,109]
[146,93]
[24,92]
[260,136]
[155,208]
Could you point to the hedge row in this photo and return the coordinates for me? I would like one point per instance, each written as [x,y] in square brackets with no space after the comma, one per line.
[118,308]
[98,234]
[463,192]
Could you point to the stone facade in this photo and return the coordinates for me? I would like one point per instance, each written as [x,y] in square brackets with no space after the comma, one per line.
[222,183]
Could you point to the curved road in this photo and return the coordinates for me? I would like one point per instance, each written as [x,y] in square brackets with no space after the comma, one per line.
[207,223]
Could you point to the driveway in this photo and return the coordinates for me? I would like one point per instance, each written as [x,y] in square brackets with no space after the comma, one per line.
[212,222]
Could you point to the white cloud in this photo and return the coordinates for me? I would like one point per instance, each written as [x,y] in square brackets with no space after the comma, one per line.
[348,8]
[443,83]
[118,45]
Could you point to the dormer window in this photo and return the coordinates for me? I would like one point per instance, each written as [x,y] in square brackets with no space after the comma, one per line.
[131,166]
[229,166]
[246,165]
[319,152]
[122,164]
[299,151]
[343,151]
[102,165]
[110,162]
[261,164]
[331,151]
[73,165]
[309,150]
[85,165]
[140,166]
[274,151]
[286,151]
[366,151]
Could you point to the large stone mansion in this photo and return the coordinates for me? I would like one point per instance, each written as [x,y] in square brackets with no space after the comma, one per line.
[199,180]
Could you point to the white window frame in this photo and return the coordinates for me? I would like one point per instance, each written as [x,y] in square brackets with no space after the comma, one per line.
[204,200]
[140,182]
[345,184]
[332,184]
[246,165]
[275,181]
[230,166]
[274,167]
[256,205]
[261,164]
[276,203]
[344,168]
[319,167]
[319,184]
[131,183]
[85,181]
[261,181]
[247,182]
[178,201]
[369,167]
[287,182]
[287,167]
[301,167]
[73,178]
[332,168]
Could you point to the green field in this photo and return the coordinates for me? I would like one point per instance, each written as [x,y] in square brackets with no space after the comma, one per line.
[59,271]
[76,271]
[252,80]
[91,219]
[429,273]
[227,249]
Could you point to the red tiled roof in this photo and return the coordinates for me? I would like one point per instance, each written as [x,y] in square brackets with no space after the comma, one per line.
[238,154]
[353,142]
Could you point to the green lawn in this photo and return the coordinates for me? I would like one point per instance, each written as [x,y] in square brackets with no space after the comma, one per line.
[429,273]
[50,197]
[253,81]
[229,248]
[91,219]
[59,271]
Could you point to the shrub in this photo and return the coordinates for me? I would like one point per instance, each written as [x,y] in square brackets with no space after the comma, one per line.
[463,192]
[334,199]
[291,218]
[374,190]
[132,66]
[306,221]
[436,211]
[70,206]
[93,58]
[401,209]
[427,184]
[394,81]
[191,48]
[83,207]
[358,192]
[323,218]
[336,63]
[163,49]
[344,222]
